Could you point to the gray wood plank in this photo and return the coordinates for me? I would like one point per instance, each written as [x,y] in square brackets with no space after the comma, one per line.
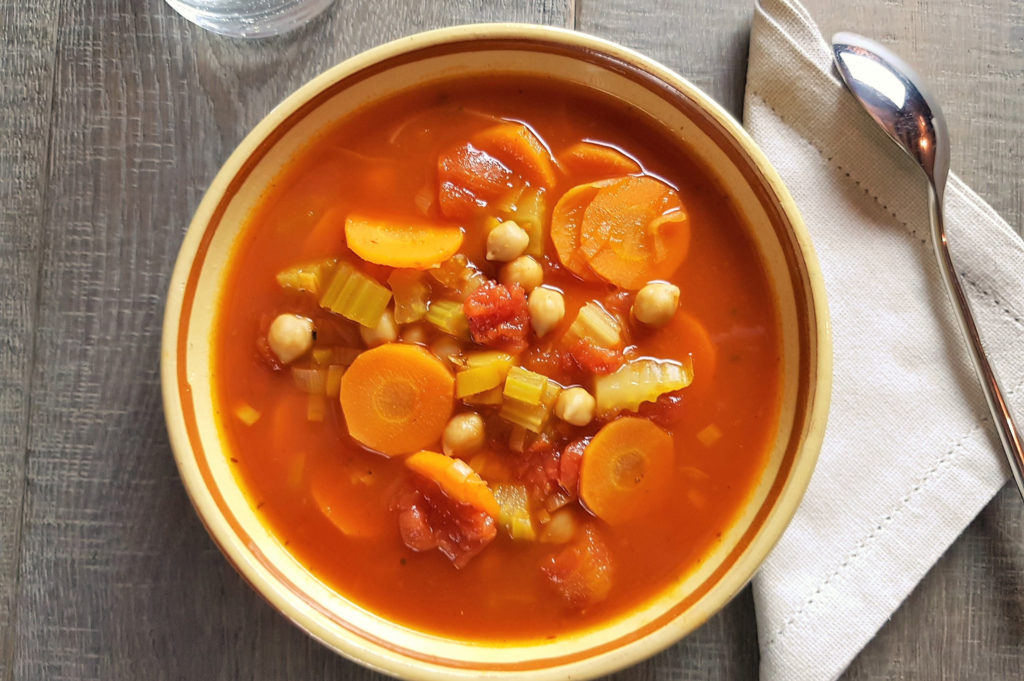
[118,578]
[27,65]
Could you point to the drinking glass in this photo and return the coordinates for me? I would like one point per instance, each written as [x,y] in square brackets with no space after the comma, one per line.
[249,18]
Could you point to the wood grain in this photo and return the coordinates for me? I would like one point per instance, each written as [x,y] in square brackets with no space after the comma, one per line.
[27,62]
[114,117]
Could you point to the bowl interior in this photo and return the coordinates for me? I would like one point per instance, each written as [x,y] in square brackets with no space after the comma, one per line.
[710,134]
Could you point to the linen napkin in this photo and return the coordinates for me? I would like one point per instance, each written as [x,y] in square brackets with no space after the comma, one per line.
[910,455]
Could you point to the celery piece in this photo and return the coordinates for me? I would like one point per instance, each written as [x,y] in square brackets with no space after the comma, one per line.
[524,385]
[247,414]
[316,407]
[332,384]
[306,278]
[641,380]
[489,398]
[411,295]
[709,435]
[459,275]
[323,356]
[531,214]
[482,371]
[531,416]
[514,514]
[595,323]
[310,380]
[355,296]
[448,316]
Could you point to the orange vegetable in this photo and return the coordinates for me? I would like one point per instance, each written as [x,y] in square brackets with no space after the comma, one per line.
[517,147]
[565,226]
[397,398]
[352,502]
[626,469]
[456,478]
[635,231]
[398,243]
[588,159]
[327,236]
[687,334]
[468,179]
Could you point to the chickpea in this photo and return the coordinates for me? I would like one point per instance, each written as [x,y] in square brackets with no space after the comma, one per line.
[290,336]
[444,348]
[575,406]
[384,332]
[464,434]
[656,303]
[507,241]
[547,307]
[524,271]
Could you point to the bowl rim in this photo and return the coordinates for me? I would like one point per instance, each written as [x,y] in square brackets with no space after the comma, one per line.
[781,509]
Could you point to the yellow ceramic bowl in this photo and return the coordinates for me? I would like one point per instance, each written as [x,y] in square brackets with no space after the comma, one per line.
[560,55]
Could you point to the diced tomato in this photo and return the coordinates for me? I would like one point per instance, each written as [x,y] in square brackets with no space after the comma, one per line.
[569,465]
[554,363]
[538,468]
[498,316]
[594,358]
[582,572]
[467,179]
[428,519]
[667,410]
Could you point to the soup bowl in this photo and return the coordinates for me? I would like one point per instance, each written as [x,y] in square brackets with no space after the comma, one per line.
[710,135]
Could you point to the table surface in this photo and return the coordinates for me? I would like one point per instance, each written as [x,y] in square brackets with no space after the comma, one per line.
[114,115]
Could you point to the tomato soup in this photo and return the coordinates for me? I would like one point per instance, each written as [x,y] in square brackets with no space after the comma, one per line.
[497,360]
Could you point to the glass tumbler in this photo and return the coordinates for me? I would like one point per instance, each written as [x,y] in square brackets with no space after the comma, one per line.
[249,18]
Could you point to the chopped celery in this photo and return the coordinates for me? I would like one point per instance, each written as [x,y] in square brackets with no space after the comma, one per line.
[322,356]
[595,323]
[458,274]
[482,372]
[641,380]
[514,514]
[517,439]
[310,380]
[531,214]
[531,415]
[487,357]
[310,277]
[489,398]
[448,316]
[411,293]
[247,414]
[316,406]
[523,385]
[355,296]
[332,385]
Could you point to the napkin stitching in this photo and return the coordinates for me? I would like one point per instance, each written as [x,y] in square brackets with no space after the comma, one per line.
[985,294]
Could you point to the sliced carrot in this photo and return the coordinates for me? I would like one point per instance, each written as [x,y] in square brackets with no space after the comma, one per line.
[353,503]
[517,147]
[566,219]
[596,161]
[397,398]
[685,333]
[468,179]
[456,478]
[400,243]
[626,469]
[635,231]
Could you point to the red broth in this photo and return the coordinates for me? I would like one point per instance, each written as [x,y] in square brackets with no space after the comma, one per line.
[384,161]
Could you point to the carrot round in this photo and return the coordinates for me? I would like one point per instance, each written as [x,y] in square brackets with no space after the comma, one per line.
[397,398]
[467,178]
[353,505]
[685,333]
[516,146]
[597,161]
[626,469]
[634,231]
[456,479]
[397,243]
[566,219]
[327,237]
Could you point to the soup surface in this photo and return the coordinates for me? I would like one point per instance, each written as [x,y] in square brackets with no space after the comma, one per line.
[497,360]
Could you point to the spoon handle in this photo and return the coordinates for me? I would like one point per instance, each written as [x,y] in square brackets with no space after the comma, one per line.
[1009,434]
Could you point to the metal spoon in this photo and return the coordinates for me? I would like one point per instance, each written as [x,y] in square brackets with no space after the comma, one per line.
[895,97]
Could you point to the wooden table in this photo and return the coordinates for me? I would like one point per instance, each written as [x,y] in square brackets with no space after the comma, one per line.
[114,115]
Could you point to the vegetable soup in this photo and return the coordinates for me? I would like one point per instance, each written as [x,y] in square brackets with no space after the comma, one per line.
[497,359]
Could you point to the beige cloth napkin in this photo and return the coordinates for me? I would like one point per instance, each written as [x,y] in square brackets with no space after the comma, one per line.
[910,455]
